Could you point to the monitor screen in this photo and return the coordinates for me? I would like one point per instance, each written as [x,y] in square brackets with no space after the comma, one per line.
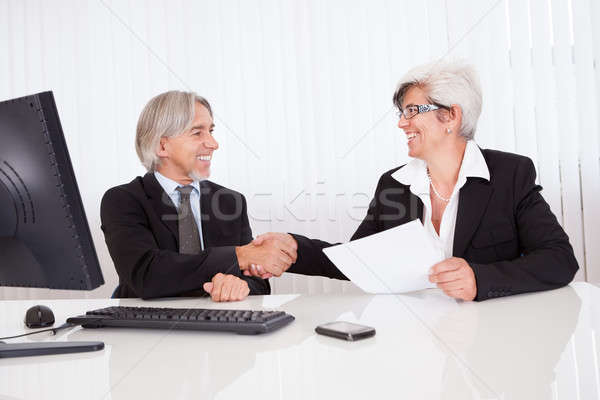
[45,239]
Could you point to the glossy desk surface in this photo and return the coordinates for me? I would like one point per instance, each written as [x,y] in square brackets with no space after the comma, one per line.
[427,346]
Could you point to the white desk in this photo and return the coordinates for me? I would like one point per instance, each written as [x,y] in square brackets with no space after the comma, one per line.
[537,346]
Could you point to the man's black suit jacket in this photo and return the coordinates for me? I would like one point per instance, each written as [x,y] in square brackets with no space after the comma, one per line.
[504,230]
[140,226]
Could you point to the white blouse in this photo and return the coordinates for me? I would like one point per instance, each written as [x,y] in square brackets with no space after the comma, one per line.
[414,174]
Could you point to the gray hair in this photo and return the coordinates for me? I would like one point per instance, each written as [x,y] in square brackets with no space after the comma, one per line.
[168,114]
[446,83]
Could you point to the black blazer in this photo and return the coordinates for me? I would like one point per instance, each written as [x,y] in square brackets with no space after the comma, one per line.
[504,230]
[140,226]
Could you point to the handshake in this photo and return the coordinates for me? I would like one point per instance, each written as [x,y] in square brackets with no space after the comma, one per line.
[270,254]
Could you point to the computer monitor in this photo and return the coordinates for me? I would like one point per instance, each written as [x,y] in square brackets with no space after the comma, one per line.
[45,239]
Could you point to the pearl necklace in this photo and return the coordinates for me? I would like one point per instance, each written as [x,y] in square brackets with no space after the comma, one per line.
[439,196]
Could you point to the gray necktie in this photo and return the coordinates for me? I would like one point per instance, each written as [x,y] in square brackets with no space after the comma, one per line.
[189,238]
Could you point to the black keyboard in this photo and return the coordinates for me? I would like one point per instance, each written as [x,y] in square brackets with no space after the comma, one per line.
[239,321]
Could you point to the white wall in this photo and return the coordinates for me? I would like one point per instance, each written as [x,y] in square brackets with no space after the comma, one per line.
[302,96]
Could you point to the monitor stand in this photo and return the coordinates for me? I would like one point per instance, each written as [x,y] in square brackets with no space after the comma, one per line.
[40,349]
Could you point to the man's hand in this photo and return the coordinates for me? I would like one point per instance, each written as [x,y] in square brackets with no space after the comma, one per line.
[455,277]
[227,288]
[285,242]
[258,271]
[270,254]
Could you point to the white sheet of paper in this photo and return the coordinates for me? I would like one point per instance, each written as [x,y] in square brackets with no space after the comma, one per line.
[393,261]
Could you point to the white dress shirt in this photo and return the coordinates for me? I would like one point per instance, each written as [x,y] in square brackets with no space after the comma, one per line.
[169,186]
[414,174]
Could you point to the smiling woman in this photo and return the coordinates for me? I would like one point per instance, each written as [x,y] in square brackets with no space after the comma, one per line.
[480,207]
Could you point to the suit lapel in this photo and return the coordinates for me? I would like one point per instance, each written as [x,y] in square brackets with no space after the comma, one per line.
[473,201]
[419,208]
[207,215]
[400,207]
[162,204]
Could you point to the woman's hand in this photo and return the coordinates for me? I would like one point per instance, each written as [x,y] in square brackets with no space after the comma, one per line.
[455,277]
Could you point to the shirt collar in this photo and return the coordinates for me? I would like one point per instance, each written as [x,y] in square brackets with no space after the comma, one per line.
[474,164]
[169,185]
[414,174]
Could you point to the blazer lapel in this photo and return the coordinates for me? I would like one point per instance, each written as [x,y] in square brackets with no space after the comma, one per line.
[474,197]
[419,208]
[162,204]
[207,215]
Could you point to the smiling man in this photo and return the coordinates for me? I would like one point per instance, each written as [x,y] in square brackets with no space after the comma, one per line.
[172,232]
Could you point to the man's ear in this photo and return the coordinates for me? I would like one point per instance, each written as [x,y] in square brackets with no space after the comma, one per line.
[162,150]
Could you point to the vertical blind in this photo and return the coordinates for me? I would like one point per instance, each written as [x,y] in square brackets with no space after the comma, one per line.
[302,97]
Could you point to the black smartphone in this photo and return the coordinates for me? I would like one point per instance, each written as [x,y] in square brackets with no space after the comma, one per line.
[345,330]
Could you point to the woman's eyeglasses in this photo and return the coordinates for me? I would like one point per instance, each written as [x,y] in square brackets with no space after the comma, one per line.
[414,109]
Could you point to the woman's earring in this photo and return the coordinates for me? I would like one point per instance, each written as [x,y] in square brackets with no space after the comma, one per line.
[448,131]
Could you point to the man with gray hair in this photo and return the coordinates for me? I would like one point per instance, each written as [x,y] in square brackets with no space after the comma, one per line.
[174,233]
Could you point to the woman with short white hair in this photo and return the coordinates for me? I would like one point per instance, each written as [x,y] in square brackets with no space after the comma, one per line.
[481,208]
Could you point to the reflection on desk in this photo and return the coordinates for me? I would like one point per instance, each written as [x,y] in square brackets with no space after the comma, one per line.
[427,347]
[523,346]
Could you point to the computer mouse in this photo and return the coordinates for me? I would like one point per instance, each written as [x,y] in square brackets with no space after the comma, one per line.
[39,317]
